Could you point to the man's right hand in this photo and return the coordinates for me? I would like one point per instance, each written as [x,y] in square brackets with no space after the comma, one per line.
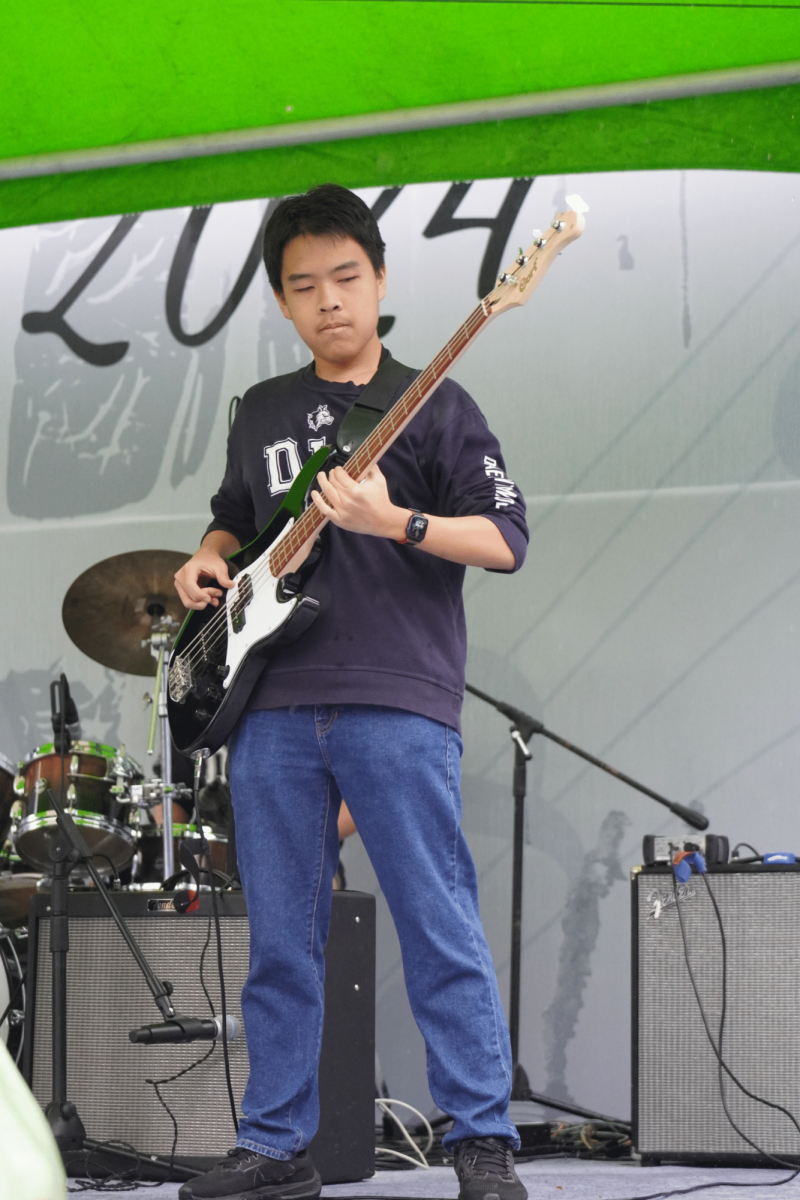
[207,563]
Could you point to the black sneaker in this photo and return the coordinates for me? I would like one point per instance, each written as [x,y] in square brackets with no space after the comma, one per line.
[245,1175]
[485,1170]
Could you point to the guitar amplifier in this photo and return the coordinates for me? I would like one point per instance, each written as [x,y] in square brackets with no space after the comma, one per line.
[678,1114]
[107,997]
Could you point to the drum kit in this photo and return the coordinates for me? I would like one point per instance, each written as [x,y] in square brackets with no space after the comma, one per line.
[124,613]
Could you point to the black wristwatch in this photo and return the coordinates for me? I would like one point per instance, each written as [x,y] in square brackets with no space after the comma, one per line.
[416,529]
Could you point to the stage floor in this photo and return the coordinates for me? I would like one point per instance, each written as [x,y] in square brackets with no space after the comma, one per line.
[574,1180]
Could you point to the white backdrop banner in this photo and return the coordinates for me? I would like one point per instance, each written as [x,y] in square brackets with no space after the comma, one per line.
[648,403]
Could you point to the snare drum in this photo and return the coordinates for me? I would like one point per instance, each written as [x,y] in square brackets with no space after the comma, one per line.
[98,781]
[13,964]
[7,795]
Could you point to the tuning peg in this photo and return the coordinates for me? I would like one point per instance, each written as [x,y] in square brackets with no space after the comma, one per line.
[558,226]
[522,257]
[577,205]
[538,240]
[506,278]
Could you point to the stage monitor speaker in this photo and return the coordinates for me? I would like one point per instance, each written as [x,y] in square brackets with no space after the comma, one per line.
[678,1115]
[107,997]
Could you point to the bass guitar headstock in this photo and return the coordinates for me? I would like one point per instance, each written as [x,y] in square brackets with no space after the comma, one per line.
[519,281]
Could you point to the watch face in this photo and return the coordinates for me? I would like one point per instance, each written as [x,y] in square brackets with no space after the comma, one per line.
[416,528]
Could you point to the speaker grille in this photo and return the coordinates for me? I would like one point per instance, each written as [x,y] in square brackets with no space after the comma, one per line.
[678,1106]
[107,997]
[106,1073]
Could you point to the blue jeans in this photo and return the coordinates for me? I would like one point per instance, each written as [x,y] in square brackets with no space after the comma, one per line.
[400,773]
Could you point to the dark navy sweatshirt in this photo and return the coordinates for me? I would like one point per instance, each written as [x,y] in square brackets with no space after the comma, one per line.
[391,628]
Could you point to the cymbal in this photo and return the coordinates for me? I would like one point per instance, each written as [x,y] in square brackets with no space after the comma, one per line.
[110,608]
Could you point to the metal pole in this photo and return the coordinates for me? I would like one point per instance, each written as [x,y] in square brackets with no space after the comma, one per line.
[166,774]
[59,945]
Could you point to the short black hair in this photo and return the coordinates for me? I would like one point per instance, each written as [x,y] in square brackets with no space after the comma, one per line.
[326,210]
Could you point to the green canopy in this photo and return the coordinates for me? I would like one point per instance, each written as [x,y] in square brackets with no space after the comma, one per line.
[173,104]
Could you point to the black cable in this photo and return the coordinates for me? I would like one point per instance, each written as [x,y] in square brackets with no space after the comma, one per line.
[159,1083]
[222,996]
[206,849]
[747,846]
[202,969]
[723,1066]
[10,1005]
[113,1180]
[233,408]
[110,863]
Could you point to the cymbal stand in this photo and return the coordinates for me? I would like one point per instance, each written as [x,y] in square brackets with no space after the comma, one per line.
[160,643]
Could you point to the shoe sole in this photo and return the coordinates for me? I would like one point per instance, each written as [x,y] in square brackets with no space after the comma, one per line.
[309,1189]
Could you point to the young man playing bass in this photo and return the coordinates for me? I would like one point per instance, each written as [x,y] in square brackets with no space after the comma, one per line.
[367,705]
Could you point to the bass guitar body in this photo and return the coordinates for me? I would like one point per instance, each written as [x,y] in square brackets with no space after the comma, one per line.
[219,653]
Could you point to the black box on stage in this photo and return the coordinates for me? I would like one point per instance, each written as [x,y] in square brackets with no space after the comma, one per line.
[107,997]
[677,1111]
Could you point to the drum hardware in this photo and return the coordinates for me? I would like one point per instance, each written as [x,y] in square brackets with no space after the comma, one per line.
[150,793]
[13,964]
[68,848]
[160,642]
[147,871]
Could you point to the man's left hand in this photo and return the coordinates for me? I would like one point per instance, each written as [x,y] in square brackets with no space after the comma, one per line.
[362,507]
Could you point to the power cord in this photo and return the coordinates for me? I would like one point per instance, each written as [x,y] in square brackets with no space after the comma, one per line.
[747,846]
[116,1180]
[206,850]
[384,1104]
[223,1001]
[723,1066]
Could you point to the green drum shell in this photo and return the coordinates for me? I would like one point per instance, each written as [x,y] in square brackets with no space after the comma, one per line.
[90,776]
[89,772]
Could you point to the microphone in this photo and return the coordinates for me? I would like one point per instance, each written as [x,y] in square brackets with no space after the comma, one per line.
[695,819]
[184,1029]
[63,714]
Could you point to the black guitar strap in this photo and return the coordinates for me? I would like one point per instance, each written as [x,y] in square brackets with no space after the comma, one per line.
[365,414]
[389,381]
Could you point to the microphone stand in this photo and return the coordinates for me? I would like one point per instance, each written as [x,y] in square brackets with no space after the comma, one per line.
[67,849]
[522,730]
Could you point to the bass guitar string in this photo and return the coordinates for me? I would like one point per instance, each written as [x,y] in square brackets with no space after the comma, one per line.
[198,649]
[278,558]
[205,642]
[209,638]
[201,645]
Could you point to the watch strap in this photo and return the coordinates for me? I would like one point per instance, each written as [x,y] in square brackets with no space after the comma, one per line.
[417,521]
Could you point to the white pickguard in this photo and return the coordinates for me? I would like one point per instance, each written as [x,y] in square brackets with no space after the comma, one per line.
[263,614]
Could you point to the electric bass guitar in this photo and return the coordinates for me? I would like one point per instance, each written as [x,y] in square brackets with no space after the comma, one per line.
[219,653]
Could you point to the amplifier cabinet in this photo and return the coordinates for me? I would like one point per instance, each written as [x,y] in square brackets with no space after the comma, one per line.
[107,997]
[677,1111]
